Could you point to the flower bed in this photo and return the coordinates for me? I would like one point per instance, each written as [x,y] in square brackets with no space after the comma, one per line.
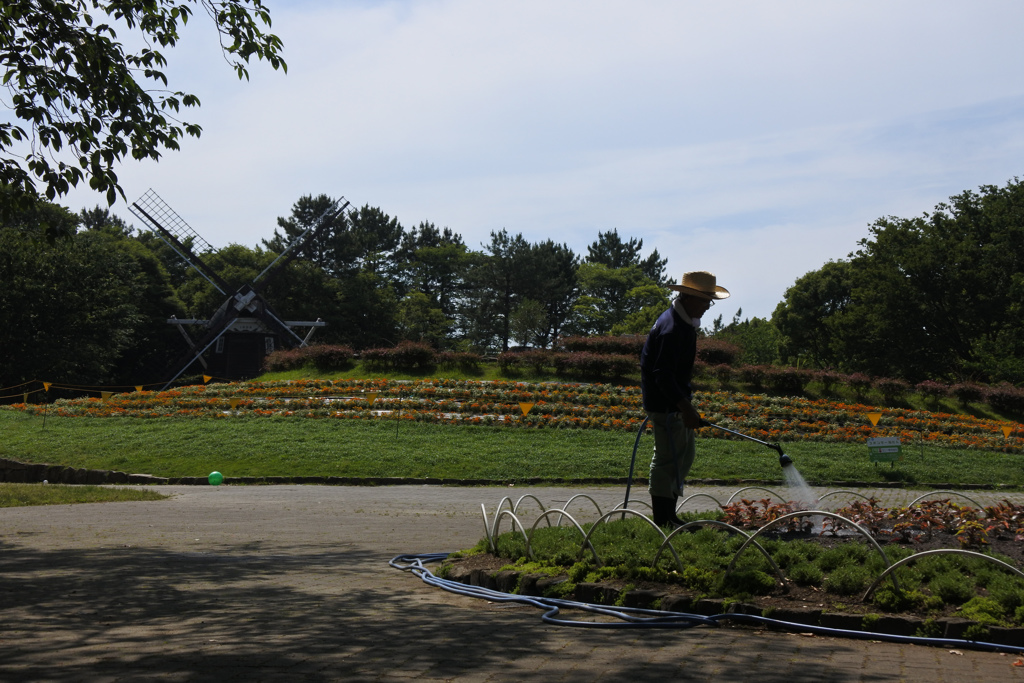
[552,405]
[815,570]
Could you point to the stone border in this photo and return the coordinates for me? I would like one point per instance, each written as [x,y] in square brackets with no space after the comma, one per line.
[14,471]
[538,585]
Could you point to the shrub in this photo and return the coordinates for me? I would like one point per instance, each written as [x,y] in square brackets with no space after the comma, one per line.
[749,581]
[892,600]
[859,382]
[284,360]
[967,392]
[461,360]
[892,388]
[932,390]
[700,369]
[329,357]
[828,379]
[376,358]
[806,574]
[831,559]
[715,351]
[624,345]
[413,355]
[754,375]
[952,588]
[322,356]
[536,360]
[508,360]
[786,380]
[847,580]
[594,365]
[722,372]
[983,610]
[407,355]
[699,578]
[1008,593]
[789,555]
[1006,397]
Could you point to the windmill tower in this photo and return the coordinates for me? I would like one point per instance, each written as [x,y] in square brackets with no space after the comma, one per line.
[245,329]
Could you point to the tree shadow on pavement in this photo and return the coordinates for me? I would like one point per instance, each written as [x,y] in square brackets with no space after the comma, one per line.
[303,613]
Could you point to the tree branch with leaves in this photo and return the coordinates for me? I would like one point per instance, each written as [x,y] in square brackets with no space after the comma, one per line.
[79,103]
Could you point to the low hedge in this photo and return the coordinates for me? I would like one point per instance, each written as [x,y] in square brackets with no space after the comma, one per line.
[595,365]
[323,357]
[624,345]
[407,355]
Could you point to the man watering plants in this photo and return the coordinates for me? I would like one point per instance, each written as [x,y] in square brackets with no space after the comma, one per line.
[666,368]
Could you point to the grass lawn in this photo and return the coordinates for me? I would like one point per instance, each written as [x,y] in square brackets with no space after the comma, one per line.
[283,446]
[22,495]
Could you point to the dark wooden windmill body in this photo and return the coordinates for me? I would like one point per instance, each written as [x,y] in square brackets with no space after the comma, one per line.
[245,329]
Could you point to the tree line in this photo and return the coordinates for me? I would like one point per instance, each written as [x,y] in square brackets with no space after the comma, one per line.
[934,297]
[938,296]
[86,296]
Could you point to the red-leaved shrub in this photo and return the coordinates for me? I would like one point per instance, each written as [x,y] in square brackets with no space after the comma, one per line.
[1006,397]
[717,351]
[931,389]
[325,357]
[594,365]
[407,355]
[967,392]
[624,345]
[892,388]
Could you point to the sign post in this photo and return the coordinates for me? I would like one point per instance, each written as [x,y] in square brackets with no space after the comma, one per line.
[885,449]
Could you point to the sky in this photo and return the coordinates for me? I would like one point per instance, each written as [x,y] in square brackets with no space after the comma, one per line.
[757,141]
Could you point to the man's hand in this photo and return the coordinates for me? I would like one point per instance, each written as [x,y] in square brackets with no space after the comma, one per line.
[691,418]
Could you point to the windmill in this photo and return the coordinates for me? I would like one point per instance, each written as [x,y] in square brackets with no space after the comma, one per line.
[245,328]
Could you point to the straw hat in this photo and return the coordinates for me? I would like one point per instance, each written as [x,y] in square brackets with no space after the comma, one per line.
[702,284]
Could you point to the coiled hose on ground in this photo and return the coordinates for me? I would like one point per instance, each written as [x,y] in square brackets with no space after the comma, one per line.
[634,617]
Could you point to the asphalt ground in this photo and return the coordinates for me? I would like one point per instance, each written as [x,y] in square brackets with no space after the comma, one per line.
[292,583]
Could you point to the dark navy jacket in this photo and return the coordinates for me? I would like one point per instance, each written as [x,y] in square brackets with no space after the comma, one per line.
[666,363]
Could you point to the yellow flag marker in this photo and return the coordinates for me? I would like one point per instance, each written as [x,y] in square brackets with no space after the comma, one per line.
[874,417]
[206,379]
[371,397]
[106,394]
[1007,431]
[233,402]
[525,407]
[24,397]
[47,385]
[138,387]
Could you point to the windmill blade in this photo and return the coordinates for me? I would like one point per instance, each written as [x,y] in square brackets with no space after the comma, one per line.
[246,303]
[197,349]
[175,232]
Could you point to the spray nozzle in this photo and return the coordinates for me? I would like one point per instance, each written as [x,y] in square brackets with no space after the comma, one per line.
[784,460]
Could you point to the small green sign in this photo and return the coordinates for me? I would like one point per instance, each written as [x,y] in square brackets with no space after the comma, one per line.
[885,449]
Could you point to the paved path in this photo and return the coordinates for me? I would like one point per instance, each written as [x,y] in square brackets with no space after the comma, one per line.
[291,583]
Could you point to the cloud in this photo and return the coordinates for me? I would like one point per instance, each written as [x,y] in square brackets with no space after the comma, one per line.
[758,139]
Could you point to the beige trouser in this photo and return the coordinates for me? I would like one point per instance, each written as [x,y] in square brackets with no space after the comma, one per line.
[674,450]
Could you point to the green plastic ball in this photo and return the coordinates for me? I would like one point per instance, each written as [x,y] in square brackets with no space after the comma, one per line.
[216,478]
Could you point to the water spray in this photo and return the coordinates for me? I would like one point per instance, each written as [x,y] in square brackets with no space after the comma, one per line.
[784,460]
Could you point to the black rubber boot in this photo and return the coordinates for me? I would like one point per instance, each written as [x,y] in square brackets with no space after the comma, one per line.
[664,511]
[675,517]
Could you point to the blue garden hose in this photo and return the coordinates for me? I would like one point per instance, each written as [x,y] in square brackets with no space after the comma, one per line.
[636,445]
[632,463]
[635,617]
